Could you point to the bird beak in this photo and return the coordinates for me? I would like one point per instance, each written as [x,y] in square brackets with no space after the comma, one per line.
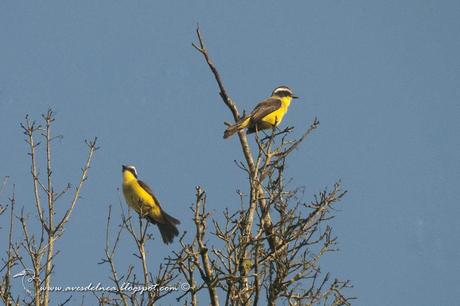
[123,167]
[295,97]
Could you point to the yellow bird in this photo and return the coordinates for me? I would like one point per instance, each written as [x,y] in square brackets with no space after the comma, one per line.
[140,197]
[266,114]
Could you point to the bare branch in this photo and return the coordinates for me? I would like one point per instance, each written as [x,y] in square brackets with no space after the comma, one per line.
[91,150]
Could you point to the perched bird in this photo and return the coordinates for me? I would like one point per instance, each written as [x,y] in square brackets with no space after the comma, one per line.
[140,197]
[266,114]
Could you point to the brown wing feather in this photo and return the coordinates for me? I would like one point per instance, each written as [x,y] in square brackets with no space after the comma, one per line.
[168,217]
[264,108]
[168,229]
[149,191]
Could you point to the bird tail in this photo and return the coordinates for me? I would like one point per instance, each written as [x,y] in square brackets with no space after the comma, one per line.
[168,229]
[241,124]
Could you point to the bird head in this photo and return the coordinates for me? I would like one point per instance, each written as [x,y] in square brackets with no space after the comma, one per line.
[283,91]
[129,168]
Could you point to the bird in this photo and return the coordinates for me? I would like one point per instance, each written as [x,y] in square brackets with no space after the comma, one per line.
[140,197]
[266,114]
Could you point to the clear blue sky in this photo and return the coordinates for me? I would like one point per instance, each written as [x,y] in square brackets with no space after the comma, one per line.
[382,77]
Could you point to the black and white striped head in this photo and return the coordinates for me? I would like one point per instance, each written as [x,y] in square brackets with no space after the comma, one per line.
[129,168]
[283,91]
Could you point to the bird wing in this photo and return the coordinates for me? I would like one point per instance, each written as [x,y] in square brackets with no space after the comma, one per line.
[166,216]
[264,108]
[149,191]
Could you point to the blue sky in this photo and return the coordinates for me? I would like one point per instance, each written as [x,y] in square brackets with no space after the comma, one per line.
[382,77]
